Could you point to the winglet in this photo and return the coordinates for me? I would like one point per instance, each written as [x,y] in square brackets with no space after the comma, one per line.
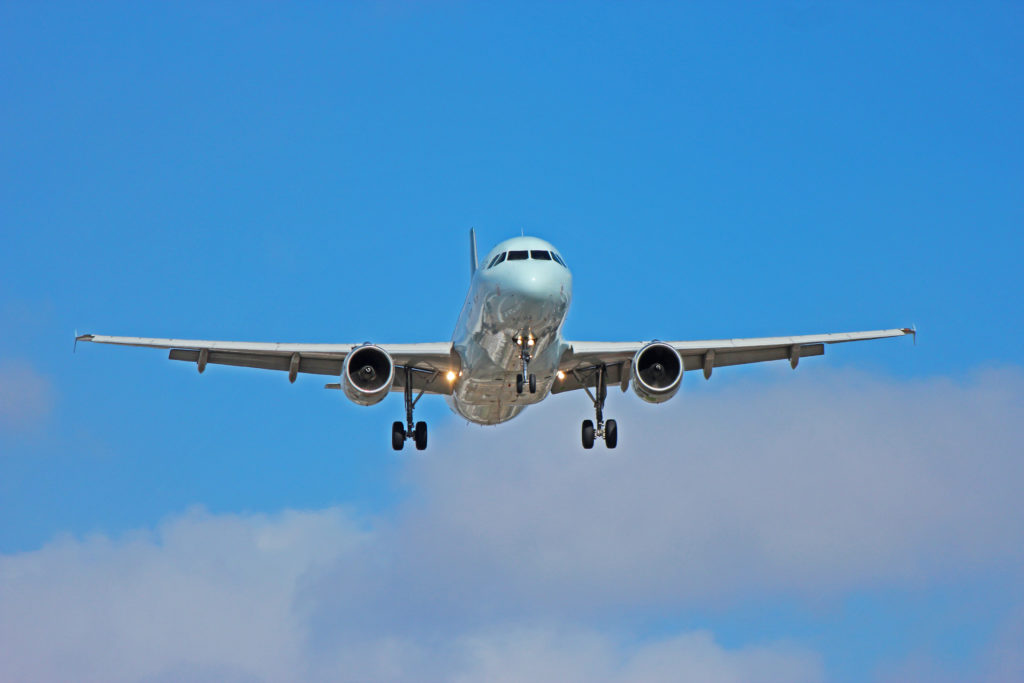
[472,252]
[80,337]
[911,330]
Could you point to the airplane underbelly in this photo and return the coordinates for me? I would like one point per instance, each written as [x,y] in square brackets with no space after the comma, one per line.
[492,401]
[488,413]
[492,323]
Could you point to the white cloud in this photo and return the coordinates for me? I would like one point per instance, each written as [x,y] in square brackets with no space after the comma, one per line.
[808,487]
[213,598]
[26,397]
[514,543]
[539,655]
[204,593]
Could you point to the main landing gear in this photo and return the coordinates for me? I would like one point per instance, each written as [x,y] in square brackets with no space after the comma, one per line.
[525,377]
[417,432]
[609,431]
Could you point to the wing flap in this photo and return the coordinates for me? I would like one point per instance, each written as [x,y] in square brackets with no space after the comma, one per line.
[429,361]
[313,366]
[724,358]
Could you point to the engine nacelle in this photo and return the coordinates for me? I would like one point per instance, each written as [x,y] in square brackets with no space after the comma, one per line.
[657,372]
[367,375]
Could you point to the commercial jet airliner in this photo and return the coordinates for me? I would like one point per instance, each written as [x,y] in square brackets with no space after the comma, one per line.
[507,352]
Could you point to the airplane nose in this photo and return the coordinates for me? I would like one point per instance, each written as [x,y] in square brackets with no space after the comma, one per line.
[538,284]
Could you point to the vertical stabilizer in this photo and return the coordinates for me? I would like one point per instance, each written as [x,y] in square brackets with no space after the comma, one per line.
[472,252]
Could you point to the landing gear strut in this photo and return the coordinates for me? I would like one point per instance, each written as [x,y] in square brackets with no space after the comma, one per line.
[525,377]
[418,431]
[609,431]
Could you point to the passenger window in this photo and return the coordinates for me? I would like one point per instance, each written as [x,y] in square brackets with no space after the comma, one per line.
[518,255]
[497,259]
[540,255]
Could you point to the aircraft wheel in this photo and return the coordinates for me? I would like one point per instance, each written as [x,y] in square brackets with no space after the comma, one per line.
[421,435]
[533,383]
[519,384]
[611,434]
[397,436]
[588,434]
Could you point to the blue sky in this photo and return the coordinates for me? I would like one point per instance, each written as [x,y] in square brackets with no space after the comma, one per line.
[274,172]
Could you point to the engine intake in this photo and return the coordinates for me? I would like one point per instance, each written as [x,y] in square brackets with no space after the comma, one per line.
[367,375]
[657,372]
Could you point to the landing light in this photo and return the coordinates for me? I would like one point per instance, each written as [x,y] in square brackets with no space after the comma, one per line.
[450,376]
[561,375]
[529,342]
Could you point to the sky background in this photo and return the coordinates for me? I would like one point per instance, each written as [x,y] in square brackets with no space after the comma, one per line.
[274,172]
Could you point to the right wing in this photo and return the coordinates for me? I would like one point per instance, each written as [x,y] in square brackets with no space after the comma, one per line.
[428,361]
[581,360]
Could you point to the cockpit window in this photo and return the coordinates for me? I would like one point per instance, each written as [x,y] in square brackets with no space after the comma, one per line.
[522,255]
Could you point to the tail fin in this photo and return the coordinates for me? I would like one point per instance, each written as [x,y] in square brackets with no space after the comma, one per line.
[472,252]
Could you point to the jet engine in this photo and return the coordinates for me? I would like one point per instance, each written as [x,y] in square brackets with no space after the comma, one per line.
[367,375]
[657,372]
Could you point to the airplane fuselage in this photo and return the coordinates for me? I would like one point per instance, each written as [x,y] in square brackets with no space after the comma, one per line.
[516,304]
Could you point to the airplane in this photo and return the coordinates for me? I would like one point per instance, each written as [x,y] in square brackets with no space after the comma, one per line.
[507,352]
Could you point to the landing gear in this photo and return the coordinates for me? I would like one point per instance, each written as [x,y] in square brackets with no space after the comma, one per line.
[532,383]
[417,432]
[609,431]
[611,434]
[420,436]
[397,436]
[588,434]
[525,378]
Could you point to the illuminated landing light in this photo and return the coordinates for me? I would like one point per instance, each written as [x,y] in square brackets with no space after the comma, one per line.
[561,375]
[529,342]
[450,376]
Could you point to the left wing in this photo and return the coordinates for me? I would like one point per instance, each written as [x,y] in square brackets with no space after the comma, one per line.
[582,358]
[428,361]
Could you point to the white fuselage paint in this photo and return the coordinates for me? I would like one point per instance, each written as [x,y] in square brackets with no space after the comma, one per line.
[528,298]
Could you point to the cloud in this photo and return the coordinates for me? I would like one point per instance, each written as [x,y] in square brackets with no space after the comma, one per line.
[533,655]
[517,555]
[213,598]
[806,487]
[202,591]
[26,397]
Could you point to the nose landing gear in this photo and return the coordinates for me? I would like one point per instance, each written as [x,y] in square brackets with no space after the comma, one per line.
[525,377]
[417,432]
[609,431]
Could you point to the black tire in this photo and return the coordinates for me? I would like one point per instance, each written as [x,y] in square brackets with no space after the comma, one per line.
[421,436]
[533,383]
[611,434]
[519,384]
[588,434]
[397,436]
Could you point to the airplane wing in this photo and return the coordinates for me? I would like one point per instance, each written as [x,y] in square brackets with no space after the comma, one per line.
[428,361]
[580,361]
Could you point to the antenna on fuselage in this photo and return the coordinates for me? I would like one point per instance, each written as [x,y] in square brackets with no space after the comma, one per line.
[472,252]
